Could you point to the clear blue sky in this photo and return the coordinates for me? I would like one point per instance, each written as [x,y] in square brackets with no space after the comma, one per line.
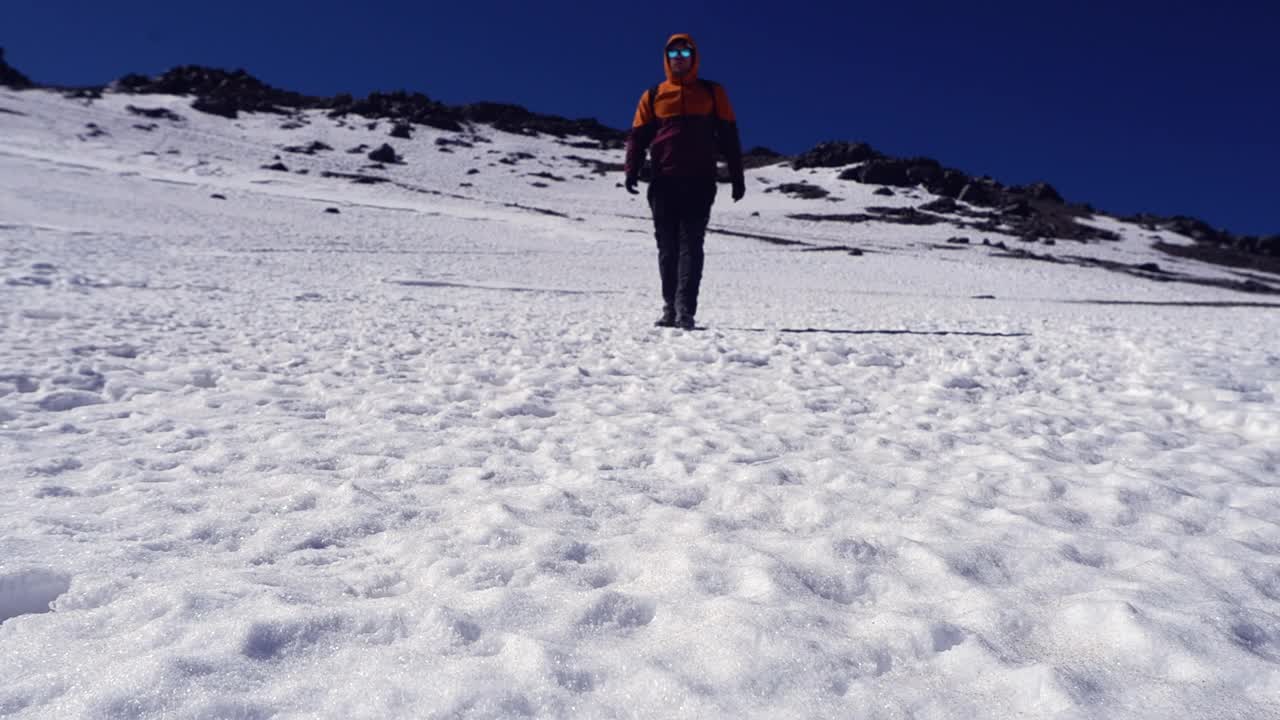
[1167,107]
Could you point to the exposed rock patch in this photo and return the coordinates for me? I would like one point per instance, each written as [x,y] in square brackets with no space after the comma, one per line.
[801,190]
[309,149]
[386,154]
[10,77]
[154,113]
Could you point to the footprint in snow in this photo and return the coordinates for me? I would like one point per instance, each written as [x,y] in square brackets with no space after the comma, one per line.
[31,591]
[68,400]
[613,610]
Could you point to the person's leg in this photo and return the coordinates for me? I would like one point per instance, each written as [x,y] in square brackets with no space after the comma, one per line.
[695,213]
[664,202]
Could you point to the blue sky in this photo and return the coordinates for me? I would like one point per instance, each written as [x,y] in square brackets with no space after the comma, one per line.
[1165,107]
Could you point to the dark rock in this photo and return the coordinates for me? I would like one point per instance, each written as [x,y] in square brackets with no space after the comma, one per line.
[884,191]
[453,142]
[852,218]
[941,205]
[292,125]
[958,240]
[218,196]
[362,148]
[309,149]
[155,113]
[1221,255]
[385,154]
[402,130]
[333,211]
[413,108]
[905,216]
[950,184]
[515,119]
[881,171]
[1043,192]
[924,171]
[548,176]
[473,171]
[982,192]
[81,93]
[355,177]
[222,107]
[278,167]
[801,190]
[1018,209]
[149,127]
[515,157]
[219,92]
[10,77]
[758,157]
[539,184]
[835,154]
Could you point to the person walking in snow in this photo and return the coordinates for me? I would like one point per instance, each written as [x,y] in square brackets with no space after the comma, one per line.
[684,122]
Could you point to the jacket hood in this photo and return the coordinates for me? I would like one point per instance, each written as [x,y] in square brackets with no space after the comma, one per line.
[666,63]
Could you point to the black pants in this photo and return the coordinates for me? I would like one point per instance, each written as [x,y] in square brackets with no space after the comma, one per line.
[681,208]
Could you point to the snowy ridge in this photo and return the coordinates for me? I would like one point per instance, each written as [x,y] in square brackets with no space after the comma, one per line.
[426,457]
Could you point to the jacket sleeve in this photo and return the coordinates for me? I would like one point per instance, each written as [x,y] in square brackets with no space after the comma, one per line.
[730,145]
[642,132]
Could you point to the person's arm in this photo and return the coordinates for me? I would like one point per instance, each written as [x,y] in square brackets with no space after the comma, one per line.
[642,132]
[729,141]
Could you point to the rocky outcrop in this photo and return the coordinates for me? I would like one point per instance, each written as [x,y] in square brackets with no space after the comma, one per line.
[835,154]
[402,107]
[10,77]
[385,154]
[758,157]
[223,93]
[154,113]
[515,119]
[1205,234]
[801,190]
[218,92]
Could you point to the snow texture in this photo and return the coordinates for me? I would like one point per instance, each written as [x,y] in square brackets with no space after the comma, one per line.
[427,457]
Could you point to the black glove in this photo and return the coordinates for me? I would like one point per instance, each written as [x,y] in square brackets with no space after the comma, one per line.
[631,184]
[739,189]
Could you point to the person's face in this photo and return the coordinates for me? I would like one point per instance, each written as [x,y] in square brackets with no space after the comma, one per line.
[682,61]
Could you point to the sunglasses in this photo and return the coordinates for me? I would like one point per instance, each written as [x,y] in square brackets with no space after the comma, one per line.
[684,53]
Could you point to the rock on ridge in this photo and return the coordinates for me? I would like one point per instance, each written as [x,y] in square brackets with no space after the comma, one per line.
[10,77]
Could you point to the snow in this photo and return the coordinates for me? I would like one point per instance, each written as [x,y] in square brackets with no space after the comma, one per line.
[428,457]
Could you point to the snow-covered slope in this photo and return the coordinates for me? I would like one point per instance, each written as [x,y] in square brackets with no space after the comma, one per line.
[426,456]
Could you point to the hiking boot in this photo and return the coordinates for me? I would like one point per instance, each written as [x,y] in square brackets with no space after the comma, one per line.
[668,319]
[685,322]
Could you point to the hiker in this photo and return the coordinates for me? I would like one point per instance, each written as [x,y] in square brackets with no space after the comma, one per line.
[684,122]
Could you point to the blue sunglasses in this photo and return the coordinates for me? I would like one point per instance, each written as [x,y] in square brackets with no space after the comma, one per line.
[685,53]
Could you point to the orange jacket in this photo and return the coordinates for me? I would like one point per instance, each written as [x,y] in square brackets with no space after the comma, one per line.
[684,125]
